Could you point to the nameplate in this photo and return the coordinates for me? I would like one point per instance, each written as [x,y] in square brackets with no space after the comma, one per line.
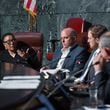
[20,82]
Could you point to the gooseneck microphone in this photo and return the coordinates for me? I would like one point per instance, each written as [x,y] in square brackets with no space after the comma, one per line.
[73,76]
[80,79]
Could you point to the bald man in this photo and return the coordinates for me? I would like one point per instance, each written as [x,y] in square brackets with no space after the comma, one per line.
[69,55]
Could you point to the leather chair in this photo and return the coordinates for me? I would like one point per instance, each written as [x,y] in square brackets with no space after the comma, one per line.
[76,24]
[81,26]
[34,39]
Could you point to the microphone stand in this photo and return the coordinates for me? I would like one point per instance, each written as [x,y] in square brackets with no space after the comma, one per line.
[57,87]
[62,82]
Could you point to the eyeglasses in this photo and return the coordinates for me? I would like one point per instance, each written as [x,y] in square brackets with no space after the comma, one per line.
[9,41]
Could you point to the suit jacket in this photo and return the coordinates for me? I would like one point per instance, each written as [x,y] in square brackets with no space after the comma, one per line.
[75,59]
[6,57]
[103,83]
[90,74]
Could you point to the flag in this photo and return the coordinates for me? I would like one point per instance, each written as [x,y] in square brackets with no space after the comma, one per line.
[31,7]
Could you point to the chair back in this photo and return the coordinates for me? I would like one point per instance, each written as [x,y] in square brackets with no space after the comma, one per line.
[81,27]
[76,24]
[34,39]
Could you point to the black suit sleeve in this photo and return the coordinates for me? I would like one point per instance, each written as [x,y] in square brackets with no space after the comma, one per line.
[100,81]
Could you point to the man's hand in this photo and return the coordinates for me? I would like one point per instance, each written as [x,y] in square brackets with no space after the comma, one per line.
[79,87]
[98,66]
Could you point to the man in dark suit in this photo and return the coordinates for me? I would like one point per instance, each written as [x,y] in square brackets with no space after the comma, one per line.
[69,55]
[94,34]
[102,68]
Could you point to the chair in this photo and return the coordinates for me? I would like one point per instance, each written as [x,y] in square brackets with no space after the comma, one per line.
[34,39]
[76,24]
[81,26]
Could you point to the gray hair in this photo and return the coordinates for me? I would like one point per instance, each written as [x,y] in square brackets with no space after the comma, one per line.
[105,40]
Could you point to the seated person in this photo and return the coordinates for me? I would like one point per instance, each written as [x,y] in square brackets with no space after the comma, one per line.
[70,55]
[102,68]
[10,55]
[94,34]
[28,53]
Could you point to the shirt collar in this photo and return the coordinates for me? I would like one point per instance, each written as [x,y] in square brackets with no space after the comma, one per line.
[65,49]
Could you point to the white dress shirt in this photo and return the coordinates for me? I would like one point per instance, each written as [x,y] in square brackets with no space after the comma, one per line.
[65,52]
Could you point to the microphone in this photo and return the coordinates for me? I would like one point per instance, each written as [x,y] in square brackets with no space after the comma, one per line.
[77,72]
[62,82]
[70,77]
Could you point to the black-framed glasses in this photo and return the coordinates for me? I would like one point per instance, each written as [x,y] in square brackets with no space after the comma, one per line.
[9,41]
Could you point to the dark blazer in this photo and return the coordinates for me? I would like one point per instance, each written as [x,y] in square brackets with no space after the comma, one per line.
[75,59]
[90,75]
[103,83]
[6,57]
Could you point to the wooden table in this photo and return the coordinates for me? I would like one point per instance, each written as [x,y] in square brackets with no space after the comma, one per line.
[12,98]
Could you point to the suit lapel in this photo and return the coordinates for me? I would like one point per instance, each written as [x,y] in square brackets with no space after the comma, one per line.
[85,67]
[69,55]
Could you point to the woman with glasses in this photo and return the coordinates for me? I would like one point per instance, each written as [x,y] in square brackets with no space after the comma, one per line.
[9,54]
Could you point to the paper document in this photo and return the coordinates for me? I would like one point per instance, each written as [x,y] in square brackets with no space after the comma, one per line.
[19,85]
[53,72]
[22,77]
[20,82]
[49,71]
